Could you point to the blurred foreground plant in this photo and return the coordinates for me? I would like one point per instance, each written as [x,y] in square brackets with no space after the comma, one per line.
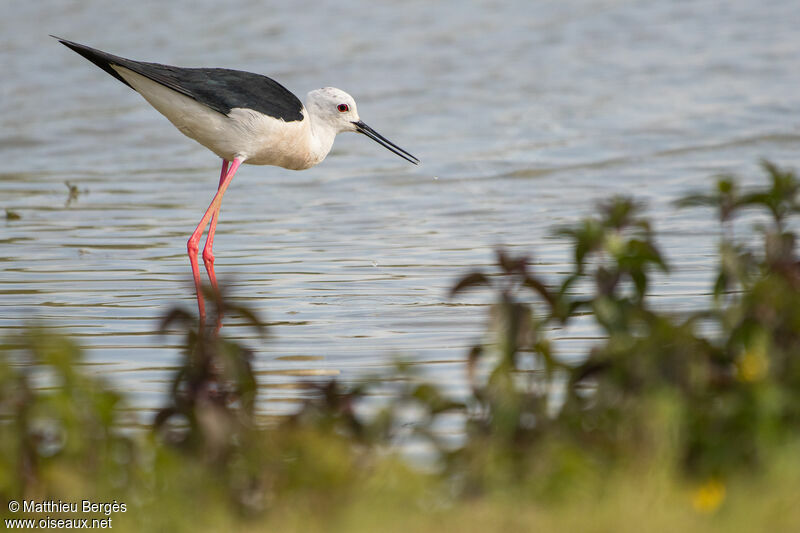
[715,389]
[706,395]
[60,425]
[213,393]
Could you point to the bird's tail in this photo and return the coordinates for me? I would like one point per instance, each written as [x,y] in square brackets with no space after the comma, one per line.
[101,59]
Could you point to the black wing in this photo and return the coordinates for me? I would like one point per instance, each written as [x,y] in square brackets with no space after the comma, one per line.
[218,88]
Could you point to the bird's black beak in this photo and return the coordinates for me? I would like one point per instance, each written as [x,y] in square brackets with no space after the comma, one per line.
[383,141]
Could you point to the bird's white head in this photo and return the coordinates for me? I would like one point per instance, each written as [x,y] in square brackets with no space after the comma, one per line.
[336,111]
[334,107]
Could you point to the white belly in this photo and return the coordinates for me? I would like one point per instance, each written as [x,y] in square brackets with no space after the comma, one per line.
[257,138]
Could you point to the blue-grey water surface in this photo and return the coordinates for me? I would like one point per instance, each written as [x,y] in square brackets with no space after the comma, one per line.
[524,114]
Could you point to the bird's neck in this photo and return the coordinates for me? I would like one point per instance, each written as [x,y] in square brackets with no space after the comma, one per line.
[320,139]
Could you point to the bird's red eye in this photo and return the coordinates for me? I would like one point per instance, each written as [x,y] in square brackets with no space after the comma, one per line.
[343,107]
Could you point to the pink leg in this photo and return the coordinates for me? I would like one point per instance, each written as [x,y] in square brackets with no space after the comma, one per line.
[208,253]
[192,247]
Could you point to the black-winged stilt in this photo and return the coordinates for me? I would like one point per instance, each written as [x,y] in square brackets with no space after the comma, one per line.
[241,117]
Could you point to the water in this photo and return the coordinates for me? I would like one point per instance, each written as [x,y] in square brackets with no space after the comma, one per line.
[523,113]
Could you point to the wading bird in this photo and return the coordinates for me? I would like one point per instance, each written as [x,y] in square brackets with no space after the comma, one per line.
[241,117]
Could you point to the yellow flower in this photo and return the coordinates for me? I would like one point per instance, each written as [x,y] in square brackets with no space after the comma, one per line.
[753,363]
[709,496]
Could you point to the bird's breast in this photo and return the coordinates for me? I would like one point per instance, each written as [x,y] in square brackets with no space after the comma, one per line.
[272,141]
